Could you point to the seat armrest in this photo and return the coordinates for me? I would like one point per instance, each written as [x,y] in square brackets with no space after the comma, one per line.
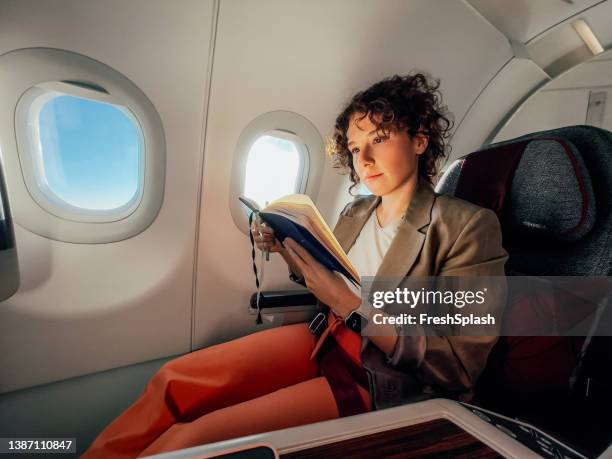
[283,299]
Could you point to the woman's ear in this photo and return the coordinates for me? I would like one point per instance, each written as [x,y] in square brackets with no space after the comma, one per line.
[420,143]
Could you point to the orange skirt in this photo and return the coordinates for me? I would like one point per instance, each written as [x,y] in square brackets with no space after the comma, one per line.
[257,383]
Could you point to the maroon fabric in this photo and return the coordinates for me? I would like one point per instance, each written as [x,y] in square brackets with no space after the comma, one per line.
[529,365]
[499,164]
[540,363]
[535,364]
[342,375]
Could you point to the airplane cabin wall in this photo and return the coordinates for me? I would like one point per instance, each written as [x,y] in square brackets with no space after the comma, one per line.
[83,308]
[87,308]
[310,58]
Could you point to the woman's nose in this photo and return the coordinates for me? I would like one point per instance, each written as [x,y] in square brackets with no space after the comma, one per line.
[365,157]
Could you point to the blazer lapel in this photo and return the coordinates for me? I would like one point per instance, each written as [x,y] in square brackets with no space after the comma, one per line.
[408,242]
[349,226]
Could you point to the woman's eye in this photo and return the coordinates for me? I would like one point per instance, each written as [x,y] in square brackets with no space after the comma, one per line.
[379,139]
[355,151]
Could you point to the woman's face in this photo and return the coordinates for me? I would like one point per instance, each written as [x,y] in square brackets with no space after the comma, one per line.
[384,164]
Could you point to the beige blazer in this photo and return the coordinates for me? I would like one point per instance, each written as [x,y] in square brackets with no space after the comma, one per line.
[440,235]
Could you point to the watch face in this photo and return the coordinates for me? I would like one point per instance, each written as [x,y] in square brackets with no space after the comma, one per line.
[356,322]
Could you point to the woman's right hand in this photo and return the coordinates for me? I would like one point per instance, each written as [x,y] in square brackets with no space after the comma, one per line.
[267,240]
[264,238]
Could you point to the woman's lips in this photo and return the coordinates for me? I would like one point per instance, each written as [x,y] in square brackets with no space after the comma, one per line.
[373,177]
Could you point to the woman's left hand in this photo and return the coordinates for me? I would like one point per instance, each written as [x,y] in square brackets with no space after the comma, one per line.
[327,286]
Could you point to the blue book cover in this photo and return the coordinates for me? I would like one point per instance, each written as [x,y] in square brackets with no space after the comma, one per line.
[283,227]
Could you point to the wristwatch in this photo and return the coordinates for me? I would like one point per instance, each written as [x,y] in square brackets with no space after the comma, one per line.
[356,320]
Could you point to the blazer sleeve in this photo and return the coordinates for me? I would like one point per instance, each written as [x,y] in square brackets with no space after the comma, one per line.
[455,362]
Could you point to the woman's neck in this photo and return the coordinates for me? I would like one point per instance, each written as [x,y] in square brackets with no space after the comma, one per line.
[393,205]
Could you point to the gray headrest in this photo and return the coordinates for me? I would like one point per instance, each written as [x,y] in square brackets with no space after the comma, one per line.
[551,193]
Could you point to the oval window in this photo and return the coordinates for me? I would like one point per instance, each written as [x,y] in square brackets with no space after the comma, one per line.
[273,169]
[277,154]
[87,163]
[85,153]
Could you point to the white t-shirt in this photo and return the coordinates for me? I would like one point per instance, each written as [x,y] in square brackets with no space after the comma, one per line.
[371,245]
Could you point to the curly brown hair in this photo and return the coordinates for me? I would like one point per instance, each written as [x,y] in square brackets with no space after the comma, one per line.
[411,102]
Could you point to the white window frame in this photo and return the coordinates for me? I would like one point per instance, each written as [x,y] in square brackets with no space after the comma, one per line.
[21,73]
[287,125]
[30,154]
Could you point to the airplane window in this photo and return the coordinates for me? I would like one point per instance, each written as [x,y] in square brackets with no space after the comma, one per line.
[272,169]
[82,152]
[277,153]
[87,164]
[89,153]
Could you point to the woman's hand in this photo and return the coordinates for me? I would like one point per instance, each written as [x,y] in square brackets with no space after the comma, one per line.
[327,286]
[264,237]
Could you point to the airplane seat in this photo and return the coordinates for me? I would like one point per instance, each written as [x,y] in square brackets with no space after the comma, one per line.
[552,192]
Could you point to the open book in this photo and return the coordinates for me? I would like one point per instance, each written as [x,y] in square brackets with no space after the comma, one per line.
[297,217]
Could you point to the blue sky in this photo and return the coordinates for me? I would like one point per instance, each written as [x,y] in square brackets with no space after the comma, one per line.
[90,151]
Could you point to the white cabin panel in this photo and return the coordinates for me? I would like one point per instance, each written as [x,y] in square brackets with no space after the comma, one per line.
[547,110]
[565,101]
[85,308]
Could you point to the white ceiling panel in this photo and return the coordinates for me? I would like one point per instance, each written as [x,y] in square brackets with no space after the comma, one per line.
[522,20]
[588,75]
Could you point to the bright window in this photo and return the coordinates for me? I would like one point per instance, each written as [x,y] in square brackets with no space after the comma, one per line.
[273,169]
[278,153]
[89,154]
[87,163]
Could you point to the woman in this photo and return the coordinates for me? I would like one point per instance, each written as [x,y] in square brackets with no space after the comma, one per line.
[389,137]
